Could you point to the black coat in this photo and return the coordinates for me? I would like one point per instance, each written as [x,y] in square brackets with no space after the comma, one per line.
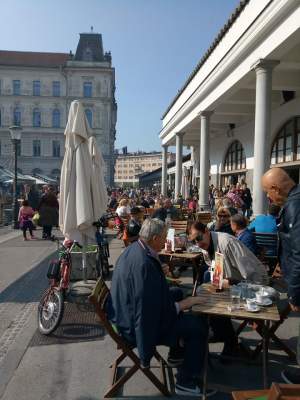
[289,249]
[142,307]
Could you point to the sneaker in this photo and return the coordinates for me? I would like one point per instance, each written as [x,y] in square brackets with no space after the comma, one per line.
[291,376]
[25,239]
[191,389]
[175,356]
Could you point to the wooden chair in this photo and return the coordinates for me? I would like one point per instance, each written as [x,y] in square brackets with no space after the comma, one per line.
[149,212]
[179,226]
[277,391]
[99,298]
[267,244]
[204,217]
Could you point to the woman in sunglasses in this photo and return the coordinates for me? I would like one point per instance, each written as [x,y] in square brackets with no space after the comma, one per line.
[222,223]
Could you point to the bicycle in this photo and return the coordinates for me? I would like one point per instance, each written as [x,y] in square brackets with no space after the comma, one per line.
[51,305]
[102,263]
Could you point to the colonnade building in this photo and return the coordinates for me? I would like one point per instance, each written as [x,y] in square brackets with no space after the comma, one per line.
[239,109]
[36,90]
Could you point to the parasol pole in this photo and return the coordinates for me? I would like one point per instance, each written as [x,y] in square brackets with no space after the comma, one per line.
[84,264]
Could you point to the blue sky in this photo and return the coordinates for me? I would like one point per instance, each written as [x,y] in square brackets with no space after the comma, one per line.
[155,44]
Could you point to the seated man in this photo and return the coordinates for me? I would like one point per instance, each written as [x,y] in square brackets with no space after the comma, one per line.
[239,262]
[167,210]
[145,312]
[239,225]
[266,223]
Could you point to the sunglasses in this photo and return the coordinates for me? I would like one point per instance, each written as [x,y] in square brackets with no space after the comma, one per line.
[223,216]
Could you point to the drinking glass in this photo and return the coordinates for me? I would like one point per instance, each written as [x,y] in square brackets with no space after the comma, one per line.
[235,295]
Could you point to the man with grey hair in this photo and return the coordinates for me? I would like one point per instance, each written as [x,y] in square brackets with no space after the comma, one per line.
[145,313]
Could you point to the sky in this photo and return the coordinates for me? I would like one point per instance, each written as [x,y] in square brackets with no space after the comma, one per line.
[155,45]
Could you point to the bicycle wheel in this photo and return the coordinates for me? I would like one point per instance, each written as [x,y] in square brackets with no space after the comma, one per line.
[50,311]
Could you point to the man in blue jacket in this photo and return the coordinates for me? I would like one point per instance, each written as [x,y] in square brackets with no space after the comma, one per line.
[145,313]
[283,191]
[239,225]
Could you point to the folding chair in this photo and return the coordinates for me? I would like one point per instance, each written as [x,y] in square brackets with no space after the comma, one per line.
[179,226]
[99,298]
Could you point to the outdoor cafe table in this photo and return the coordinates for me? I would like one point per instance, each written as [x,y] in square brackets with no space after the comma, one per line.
[194,259]
[216,304]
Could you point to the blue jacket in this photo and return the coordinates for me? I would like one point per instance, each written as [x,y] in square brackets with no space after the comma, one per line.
[143,309]
[248,239]
[289,249]
[264,224]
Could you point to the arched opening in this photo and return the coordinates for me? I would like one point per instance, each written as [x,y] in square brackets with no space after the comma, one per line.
[234,166]
[285,151]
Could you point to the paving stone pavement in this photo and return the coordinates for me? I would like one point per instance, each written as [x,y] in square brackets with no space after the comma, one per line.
[78,370]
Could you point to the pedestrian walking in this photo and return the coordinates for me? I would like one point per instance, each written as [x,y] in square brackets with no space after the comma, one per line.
[48,210]
[25,219]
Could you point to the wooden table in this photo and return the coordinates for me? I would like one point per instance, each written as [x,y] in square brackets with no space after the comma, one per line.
[195,259]
[217,303]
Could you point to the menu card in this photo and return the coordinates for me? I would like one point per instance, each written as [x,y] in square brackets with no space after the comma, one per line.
[217,279]
[170,241]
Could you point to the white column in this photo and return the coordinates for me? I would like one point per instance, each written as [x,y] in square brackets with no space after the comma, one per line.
[164,168]
[262,134]
[178,173]
[204,159]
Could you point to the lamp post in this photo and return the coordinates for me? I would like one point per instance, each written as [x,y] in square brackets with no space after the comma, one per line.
[15,133]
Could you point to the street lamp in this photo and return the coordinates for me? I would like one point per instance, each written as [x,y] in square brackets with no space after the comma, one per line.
[15,133]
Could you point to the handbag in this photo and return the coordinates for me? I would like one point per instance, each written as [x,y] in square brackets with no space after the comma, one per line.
[36,218]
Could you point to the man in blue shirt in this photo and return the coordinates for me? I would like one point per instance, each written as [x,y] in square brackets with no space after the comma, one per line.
[266,223]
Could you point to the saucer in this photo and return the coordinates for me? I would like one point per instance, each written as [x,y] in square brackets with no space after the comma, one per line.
[265,302]
[253,309]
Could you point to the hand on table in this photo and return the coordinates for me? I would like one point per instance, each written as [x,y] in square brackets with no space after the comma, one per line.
[166,269]
[294,308]
[188,303]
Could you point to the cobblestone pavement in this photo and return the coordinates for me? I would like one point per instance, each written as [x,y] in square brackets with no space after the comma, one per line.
[73,364]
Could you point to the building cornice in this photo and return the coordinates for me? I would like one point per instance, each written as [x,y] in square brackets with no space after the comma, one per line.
[236,55]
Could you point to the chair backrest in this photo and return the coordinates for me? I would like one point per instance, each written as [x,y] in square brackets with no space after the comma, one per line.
[204,217]
[99,298]
[179,226]
[267,243]
[280,391]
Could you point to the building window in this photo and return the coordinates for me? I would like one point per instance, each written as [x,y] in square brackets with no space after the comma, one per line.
[17,116]
[286,146]
[56,148]
[16,87]
[36,148]
[36,118]
[56,118]
[89,116]
[56,88]
[235,157]
[87,89]
[36,90]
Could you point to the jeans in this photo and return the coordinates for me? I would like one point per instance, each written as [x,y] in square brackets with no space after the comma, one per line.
[193,330]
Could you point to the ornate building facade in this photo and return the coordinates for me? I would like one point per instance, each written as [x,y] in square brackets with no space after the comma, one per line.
[36,90]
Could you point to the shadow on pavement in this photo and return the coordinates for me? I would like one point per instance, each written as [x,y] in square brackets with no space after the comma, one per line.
[29,287]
